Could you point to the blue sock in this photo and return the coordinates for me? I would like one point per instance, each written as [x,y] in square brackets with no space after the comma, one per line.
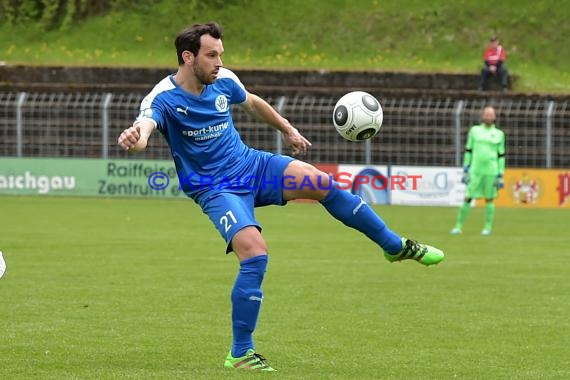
[354,212]
[246,302]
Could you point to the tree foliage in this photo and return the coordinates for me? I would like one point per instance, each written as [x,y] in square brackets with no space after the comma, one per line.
[58,14]
[61,14]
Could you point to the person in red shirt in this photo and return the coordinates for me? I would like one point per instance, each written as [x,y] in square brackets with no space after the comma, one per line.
[494,57]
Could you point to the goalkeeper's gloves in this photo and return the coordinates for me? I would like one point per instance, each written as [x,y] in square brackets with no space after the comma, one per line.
[465,178]
[499,182]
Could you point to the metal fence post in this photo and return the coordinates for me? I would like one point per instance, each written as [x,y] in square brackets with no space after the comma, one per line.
[278,141]
[457,112]
[19,122]
[548,139]
[105,125]
[367,152]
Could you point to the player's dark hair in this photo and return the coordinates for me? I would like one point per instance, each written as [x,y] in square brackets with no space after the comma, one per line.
[189,38]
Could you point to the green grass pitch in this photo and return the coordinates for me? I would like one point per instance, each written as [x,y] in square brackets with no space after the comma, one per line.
[139,289]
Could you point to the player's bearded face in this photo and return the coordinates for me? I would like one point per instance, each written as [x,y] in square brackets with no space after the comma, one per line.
[204,76]
[208,61]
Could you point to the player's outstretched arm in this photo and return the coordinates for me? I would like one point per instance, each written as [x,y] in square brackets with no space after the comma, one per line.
[260,109]
[135,138]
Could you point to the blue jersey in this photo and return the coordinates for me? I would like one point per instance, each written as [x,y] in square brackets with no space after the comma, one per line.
[205,146]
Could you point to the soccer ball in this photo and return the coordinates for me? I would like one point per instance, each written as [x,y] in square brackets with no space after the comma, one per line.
[358,116]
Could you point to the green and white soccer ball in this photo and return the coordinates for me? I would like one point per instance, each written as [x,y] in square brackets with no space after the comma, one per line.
[358,116]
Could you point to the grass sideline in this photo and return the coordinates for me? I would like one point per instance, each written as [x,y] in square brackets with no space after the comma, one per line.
[139,289]
[439,36]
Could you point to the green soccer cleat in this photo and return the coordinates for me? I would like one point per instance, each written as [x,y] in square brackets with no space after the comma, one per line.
[251,360]
[424,254]
[486,232]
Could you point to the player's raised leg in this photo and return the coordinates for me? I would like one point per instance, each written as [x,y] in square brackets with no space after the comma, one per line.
[351,210]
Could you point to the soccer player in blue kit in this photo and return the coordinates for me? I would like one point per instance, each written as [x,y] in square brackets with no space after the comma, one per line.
[191,109]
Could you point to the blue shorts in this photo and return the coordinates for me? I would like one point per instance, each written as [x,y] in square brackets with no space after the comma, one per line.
[232,209]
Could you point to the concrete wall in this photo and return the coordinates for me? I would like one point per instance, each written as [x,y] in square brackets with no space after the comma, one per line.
[122,79]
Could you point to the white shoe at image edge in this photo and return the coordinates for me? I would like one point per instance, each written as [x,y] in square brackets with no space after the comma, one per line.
[2,265]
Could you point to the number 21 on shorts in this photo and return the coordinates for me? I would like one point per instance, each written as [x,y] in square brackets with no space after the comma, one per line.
[228,220]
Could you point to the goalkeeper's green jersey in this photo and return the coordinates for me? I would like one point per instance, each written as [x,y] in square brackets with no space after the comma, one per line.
[485,150]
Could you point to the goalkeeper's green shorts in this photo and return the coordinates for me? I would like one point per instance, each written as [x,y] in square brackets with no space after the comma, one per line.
[482,186]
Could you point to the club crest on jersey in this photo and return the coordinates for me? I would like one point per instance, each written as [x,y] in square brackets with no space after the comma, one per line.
[221,103]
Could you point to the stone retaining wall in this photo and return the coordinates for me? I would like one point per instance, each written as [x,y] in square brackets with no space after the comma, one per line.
[122,79]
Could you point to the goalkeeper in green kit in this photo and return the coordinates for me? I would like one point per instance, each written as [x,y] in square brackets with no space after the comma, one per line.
[483,168]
